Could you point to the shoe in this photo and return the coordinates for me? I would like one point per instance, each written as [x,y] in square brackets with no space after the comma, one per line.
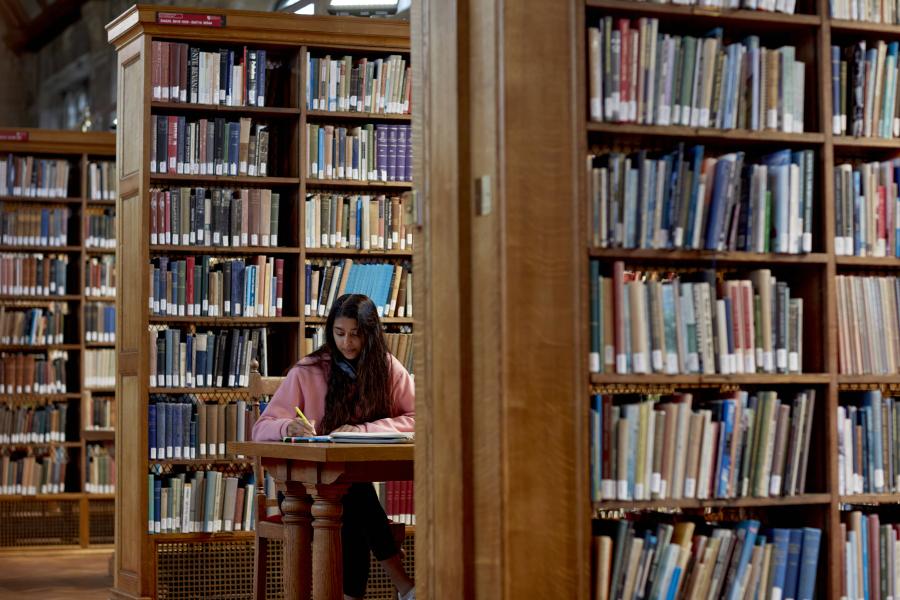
[410,595]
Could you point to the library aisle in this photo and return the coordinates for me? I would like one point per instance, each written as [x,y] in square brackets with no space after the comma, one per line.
[82,574]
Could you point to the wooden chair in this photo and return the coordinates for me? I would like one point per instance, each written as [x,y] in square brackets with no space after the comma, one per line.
[271,528]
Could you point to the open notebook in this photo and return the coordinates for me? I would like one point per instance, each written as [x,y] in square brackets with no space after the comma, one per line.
[358,437]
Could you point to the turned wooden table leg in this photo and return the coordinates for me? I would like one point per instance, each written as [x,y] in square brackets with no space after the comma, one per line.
[328,565]
[297,566]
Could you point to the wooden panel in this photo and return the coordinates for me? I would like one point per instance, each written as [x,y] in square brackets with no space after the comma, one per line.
[131,484]
[132,299]
[131,110]
[543,374]
[441,515]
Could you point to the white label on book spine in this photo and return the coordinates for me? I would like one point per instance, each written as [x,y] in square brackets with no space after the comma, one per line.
[639,362]
[768,361]
[657,359]
[693,362]
[622,489]
[639,491]
[806,242]
[608,489]
[749,363]
[781,358]
[621,364]
[772,123]
[879,479]
[836,124]
[793,362]
[775,485]
[655,483]
[690,487]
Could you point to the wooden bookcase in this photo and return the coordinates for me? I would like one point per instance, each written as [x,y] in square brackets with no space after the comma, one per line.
[813,32]
[75,517]
[150,565]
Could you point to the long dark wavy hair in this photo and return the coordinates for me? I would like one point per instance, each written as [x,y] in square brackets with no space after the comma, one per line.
[368,398]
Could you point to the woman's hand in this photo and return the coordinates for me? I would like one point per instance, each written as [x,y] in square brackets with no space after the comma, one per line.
[298,428]
[347,428]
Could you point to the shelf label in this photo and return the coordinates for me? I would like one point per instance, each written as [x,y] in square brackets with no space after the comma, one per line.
[13,135]
[189,19]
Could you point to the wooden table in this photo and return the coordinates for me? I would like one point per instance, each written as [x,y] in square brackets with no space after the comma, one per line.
[315,478]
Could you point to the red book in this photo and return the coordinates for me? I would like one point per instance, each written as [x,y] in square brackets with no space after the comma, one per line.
[238,508]
[156,69]
[164,70]
[173,71]
[167,217]
[153,215]
[279,285]
[189,284]
[172,154]
[183,60]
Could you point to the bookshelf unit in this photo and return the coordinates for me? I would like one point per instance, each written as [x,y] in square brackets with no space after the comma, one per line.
[152,565]
[76,516]
[812,31]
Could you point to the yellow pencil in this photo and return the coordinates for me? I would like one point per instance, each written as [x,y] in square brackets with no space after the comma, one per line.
[302,416]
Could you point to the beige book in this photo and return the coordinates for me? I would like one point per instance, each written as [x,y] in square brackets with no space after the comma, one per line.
[642,451]
[603,566]
[244,145]
[762,283]
[750,586]
[631,566]
[709,564]
[704,471]
[395,288]
[694,441]
[682,424]
[345,275]
[622,428]
[668,460]
[771,89]
[778,458]
[659,432]
[639,334]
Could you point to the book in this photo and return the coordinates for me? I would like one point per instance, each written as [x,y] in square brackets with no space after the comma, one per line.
[357,437]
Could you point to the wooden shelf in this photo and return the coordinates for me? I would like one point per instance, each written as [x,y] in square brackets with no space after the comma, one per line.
[224,180]
[43,497]
[38,397]
[99,251]
[95,202]
[99,344]
[357,252]
[100,390]
[682,256]
[686,380]
[776,502]
[355,116]
[867,261]
[198,390]
[868,380]
[30,347]
[40,299]
[843,26]
[91,496]
[54,200]
[199,462]
[99,298]
[701,134]
[40,445]
[162,320]
[98,435]
[199,250]
[384,320]
[770,20]
[42,249]
[866,143]
[250,111]
[361,185]
[879,499]
[168,538]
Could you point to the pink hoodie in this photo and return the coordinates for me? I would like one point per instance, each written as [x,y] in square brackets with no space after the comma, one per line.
[305,386]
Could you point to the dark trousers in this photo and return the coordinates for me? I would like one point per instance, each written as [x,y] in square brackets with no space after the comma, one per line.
[365,528]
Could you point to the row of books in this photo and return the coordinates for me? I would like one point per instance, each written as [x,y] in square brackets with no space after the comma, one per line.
[364,153]
[398,499]
[683,199]
[868,444]
[200,501]
[181,72]
[33,274]
[382,86]
[184,427]
[208,146]
[21,424]
[870,554]
[735,446]
[102,180]
[217,287]
[639,75]
[360,221]
[101,228]
[388,285]
[34,177]
[736,562]
[34,226]
[867,209]
[400,343]
[100,368]
[214,217]
[100,276]
[868,325]
[22,373]
[648,322]
[864,90]
[98,413]
[101,470]
[100,322]
[34,474]
[33,326]
[212,359]
[877,11]
[783,6]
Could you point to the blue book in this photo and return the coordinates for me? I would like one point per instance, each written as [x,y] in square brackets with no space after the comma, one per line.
[151,430]
[864,542]
[792,575]
[157,494]
[237,287]
[632,414]
[809,560]
[694,200]
[189,356]
[321,155]
[858,217]
[718,198]
[176,429]
[260,77]
[781,538]
[726,430]
[596,446]
[778,164]
[234,141]
[596,340]
[872,401]
[745,531]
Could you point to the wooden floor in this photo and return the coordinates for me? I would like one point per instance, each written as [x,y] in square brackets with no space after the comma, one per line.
[56,575]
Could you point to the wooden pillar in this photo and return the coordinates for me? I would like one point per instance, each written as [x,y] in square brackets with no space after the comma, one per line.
[502,184]
[327,557]
[296,564]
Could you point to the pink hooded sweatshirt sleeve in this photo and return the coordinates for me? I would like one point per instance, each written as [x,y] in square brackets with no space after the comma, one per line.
[305,386]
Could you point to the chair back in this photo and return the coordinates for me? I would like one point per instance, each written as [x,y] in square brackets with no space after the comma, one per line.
[258,387]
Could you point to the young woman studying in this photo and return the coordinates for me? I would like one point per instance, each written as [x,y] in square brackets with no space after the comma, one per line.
[351,383]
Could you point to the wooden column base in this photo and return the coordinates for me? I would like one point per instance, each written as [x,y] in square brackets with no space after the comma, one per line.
[327,558]
[297,538]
